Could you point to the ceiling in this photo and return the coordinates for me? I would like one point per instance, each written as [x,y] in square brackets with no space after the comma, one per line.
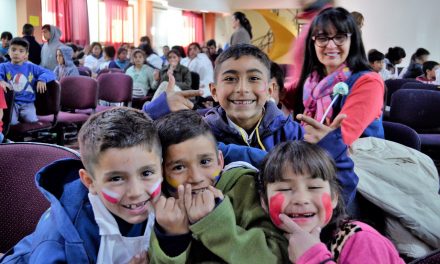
[228,6]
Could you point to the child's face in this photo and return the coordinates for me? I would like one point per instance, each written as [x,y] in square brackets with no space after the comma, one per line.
[17,53]
[305,200]
[46,34]
[242,89]
[122,56]
[138,59]
[60,58]
[173,59]
[194,161]
[126,180]
[4,42]
[96,51]
[378,65]
[430,74]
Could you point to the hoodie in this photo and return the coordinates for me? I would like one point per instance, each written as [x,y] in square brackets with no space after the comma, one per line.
[49,49]
[67,232]
[68,68]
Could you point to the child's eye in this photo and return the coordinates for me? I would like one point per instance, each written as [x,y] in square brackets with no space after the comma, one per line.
[178,168]
[284,190]
[314,187]
[205,161]
[147,173]
[115,179]
[254,78]
[229,79]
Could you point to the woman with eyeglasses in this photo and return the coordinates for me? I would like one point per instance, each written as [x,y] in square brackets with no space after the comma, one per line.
[335,53]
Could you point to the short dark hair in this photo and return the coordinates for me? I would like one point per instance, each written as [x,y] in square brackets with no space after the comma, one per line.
[180,49]
[6,35]
[110,51]
[429,65]
[121,49]
[419,53]
[277,72]
[180,126]
[238,51]
[46,27]
[394,54]
[119,127]
[28,30]
[145,39]
[20,42]
[211,42]
[175,52]
[375,55]
[302,158]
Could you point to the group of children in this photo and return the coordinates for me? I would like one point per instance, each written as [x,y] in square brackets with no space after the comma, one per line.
[163,190]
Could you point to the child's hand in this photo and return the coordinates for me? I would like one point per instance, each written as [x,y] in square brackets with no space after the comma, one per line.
[140,259]
[5,86]
[171,80]
[299,240]
[41,87]
[179,100]
[200,204]
[156,75]
[315,131]
[171,214]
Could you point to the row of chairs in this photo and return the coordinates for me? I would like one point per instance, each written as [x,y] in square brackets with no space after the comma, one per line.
[20,216]
[71,102]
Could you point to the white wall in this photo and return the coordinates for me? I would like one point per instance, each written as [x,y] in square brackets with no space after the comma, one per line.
[8,17]
[409,24]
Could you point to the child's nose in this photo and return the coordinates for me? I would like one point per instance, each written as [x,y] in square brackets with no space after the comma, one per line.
[242,86]
[301,197]
[135,189]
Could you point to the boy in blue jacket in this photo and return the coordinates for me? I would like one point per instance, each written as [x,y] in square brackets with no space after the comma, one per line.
[101,209]
[25,78]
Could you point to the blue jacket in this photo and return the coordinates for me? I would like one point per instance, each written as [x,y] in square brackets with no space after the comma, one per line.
[67,232]
[274,128]
[24,78]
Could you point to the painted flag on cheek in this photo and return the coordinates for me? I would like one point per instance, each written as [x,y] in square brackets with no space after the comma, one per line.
[111,196]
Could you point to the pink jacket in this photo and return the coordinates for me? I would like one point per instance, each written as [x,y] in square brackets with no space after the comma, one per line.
[366,246]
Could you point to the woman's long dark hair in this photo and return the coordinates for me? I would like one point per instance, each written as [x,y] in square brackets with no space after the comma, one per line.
[327,20]
[244,22]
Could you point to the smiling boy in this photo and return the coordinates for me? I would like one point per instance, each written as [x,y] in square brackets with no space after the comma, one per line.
[101,209]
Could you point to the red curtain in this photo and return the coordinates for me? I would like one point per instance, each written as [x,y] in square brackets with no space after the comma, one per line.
[193,22]
[72,19]
[117,20]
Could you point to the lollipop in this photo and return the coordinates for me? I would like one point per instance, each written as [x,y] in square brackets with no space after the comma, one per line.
[341,88]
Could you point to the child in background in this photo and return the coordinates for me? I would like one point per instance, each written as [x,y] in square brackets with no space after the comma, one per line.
[121,61]
[298,188]
[102,212]
[25,79]
[377,63]
[109,55]
[5,39]
[429,69]
[142,75]
[65,67]
[94,58]
[277,82]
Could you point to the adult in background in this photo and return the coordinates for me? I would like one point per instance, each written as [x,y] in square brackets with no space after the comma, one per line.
[359,18]
[310,9]
[242,29]
[415,67]
[335,53]
[34,46]
[52,35]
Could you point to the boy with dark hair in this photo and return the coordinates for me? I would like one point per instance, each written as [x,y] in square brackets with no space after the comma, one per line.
[25,79]
[212,49]
[213,214]
[430,68]
[5,38]
[376,60]
[101,208]
[277,82]
[34,46]
[52,35]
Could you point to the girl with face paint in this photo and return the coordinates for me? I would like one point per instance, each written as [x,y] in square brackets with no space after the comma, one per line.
[299,189]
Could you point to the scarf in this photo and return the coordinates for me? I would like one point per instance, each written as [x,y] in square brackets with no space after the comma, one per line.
[318,93]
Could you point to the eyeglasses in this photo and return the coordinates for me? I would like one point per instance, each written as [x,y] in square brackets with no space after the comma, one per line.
[339,39]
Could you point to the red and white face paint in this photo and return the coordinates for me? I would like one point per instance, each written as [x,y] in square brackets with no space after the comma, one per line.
[110,196]
[328,207]
[155,190]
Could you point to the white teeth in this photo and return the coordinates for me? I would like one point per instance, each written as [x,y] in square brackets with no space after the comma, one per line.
[134,206]
[302,215]
[243,102]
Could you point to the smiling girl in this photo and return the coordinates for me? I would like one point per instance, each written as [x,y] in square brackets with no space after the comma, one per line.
[298,187]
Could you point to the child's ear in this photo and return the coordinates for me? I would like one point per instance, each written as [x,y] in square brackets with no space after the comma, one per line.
[271,88]
[213,88]
[87,180]
[221,160]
